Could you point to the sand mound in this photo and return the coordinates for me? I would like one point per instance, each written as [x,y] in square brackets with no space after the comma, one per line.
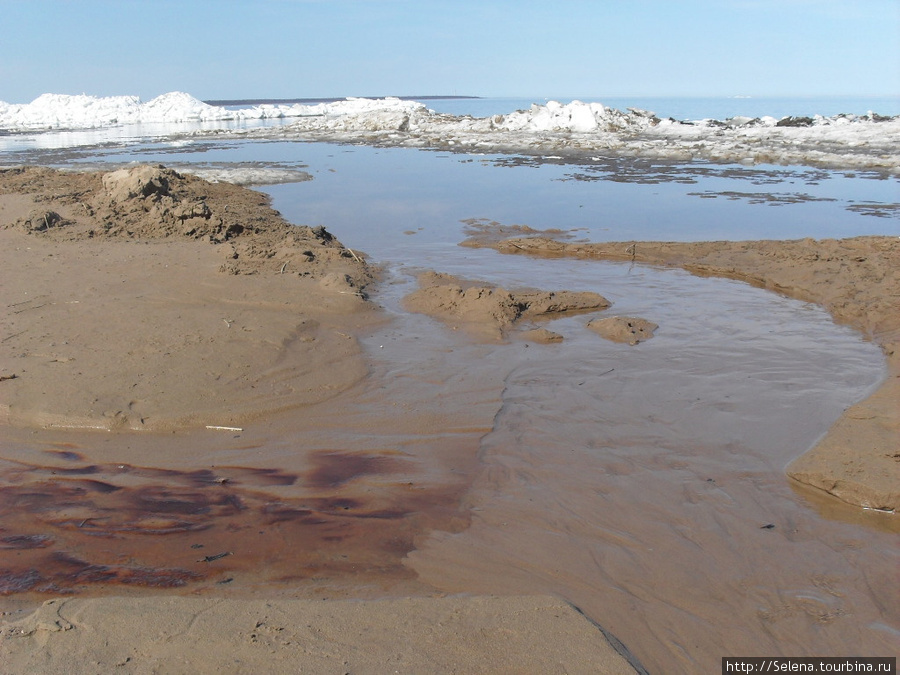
[152,203]
[493,311]
[623,329]
[147,299]
[541,336]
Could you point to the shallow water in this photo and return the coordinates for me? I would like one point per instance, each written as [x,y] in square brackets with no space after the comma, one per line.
[637,482]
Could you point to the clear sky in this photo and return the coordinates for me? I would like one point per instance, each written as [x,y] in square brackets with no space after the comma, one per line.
[516,48]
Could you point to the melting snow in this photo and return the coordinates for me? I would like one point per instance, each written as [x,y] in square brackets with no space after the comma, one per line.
[843,141]
[61,111]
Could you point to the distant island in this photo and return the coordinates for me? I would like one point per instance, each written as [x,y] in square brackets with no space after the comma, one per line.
[313,101]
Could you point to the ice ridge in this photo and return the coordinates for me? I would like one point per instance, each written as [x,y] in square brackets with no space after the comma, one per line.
[842,141]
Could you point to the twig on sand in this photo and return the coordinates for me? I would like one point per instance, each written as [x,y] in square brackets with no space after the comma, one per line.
[19,311]
[210,558]
[282,268]
[3,378]
[355,257]
[218,428]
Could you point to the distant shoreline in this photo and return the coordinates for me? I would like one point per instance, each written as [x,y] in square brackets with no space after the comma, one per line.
[312,101]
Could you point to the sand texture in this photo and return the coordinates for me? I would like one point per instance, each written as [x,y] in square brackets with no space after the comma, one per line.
[415,635]
[857,280]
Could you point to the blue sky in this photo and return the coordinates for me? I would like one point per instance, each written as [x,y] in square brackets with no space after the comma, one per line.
[514,48]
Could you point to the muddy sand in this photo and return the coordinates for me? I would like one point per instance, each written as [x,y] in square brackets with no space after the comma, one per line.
[147,300]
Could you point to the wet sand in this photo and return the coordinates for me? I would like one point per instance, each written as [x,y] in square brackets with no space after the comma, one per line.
[412,479]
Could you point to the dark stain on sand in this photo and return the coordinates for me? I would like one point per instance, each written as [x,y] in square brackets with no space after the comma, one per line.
[90,527]
[333,469]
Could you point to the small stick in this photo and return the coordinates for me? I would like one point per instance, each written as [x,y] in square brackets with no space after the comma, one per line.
[210,558]
[282,268]
[216,428]
[355,257]
[3,378]
[27,308]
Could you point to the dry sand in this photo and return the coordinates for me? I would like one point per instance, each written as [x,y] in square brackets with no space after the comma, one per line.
[147,300]
[412,635]
[857,280]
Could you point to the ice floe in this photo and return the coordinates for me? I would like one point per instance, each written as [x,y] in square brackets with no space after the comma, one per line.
[246,175]
[869,141]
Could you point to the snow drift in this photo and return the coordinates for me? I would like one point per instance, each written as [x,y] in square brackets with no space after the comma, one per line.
[61,111]
[842,141]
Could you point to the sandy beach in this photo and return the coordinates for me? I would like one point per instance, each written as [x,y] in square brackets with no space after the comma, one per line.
[146,311]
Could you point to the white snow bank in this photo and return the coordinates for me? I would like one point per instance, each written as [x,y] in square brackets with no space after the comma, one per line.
[842,141]
[61,111]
